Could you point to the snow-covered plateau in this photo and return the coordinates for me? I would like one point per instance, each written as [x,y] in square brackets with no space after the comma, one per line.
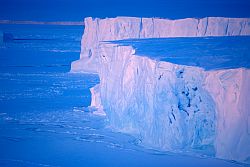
[179,107]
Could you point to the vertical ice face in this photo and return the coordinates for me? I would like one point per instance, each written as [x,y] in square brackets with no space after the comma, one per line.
[174,107]
[165,104]
[170,107]
[229,89]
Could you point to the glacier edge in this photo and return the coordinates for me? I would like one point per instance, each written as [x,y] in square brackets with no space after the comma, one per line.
[171,107]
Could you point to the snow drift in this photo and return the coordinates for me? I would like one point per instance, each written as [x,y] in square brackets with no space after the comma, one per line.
[169,106]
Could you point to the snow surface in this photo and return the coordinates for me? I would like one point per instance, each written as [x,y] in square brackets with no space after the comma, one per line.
[169,106]
[227,52]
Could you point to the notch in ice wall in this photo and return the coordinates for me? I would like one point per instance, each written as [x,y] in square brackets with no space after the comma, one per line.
[172,107]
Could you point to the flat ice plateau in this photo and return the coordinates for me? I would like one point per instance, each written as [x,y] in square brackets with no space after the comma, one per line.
[178,85]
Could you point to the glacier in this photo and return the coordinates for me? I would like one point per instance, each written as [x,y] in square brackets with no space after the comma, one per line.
[172,107]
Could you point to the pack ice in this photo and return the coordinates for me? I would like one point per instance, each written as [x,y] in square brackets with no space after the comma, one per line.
[169,106]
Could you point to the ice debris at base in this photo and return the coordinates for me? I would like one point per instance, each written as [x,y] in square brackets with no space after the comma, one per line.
[171,107]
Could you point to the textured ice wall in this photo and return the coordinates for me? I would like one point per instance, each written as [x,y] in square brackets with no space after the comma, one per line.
[175,107]
[131,27]
[171,107]
[165,104]
[230,91]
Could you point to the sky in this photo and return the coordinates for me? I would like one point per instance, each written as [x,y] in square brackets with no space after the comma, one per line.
[76,10]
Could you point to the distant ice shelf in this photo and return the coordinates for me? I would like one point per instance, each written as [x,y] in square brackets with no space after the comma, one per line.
[119,28]
[170,106]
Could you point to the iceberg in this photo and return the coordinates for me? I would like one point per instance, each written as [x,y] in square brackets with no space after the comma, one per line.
[169,106]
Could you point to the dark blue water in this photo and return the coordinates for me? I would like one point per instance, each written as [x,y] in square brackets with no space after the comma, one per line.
[210,53]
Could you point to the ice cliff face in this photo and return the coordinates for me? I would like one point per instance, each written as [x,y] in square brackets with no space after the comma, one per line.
[229,90]
[170,107]
[176,107]
[165,104]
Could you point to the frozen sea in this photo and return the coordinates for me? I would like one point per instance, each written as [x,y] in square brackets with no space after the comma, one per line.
[42,120]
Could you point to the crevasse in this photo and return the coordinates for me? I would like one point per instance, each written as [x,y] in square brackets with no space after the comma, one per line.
[170,107]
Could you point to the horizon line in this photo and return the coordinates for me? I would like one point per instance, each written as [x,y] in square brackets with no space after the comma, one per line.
[65,23]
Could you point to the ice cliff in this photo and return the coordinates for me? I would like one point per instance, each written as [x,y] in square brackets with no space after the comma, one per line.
[168,106]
